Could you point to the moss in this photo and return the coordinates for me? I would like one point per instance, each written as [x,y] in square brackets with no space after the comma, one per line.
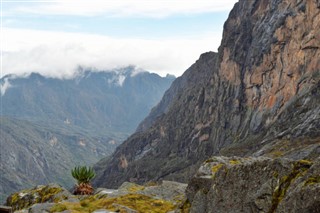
[305,162]
[216,168]
[209,160]
[298,168]
[136,188]
[179,198]
[185,208]
[151,183]
[141,203]
[58,208]
[275,174]
[276,154]
[40,194]
[14,198]
[47,194]
[312,180]
[234,162]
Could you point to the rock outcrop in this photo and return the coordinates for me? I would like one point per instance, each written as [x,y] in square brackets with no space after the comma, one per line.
[258,96]
[48,194]
[153,197]
[255,185]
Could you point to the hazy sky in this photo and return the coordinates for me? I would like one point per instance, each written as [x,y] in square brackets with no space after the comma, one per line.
[55,37]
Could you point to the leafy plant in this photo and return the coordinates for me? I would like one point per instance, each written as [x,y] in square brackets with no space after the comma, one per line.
[83,175]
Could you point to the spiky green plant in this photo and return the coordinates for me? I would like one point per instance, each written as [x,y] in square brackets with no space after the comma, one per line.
[83,175]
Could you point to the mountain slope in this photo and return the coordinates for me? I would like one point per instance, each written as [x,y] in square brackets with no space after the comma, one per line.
[114,101]
[258,96]
[48,125]
[33,154]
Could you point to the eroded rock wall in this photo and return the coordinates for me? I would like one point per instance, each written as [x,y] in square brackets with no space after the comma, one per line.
[258,96]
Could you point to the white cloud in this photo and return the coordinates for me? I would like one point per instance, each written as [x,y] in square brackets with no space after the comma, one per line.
[125,8]
[4,86]
[58,54]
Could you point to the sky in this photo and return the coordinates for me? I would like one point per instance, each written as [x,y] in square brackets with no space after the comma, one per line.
[55,37]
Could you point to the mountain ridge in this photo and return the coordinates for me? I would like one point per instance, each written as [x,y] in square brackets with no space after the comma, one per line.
[243,104]
[74,121]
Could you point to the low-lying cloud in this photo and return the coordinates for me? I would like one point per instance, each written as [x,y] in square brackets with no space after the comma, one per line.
[124,8]
[58,54]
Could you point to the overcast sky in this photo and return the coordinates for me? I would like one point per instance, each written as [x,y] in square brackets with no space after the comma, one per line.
[55,37]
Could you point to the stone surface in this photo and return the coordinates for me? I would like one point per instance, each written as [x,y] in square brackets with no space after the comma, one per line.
[130,197]
[255,185]
[39,194]
[40,208]
[167,190]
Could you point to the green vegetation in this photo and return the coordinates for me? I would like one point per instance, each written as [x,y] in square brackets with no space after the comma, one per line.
[138,202]
[234,162]
[312,180]
[26,198]
[136,188]
[216,168]
[186,207]
[83,175]
[298,169]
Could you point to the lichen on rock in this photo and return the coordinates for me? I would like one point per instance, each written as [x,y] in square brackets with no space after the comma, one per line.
[255,185]
[51,193]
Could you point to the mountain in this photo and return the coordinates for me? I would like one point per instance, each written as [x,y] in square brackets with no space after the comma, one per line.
[111,101]
[33,154]
[50,125]
[258,96]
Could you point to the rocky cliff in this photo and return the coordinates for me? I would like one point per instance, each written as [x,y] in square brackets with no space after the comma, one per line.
[259,95]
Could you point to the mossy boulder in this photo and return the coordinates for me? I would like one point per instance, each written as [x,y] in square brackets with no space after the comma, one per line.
[165,196]
[224,184]
[51,193]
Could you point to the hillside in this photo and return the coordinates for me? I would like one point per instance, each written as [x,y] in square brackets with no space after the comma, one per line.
[258,96]
[49,125]
[32,154]
[113,101]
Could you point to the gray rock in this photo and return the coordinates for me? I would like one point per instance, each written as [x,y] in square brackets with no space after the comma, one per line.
[304,194]
[103,192]
[40,194]
[41,208]
[167,190]
[255,185]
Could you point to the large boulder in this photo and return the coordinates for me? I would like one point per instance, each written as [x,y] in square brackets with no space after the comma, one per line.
[51,193]
[261,184]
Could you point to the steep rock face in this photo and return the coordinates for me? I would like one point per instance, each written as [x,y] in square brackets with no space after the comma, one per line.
[261,91]
[163,140]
